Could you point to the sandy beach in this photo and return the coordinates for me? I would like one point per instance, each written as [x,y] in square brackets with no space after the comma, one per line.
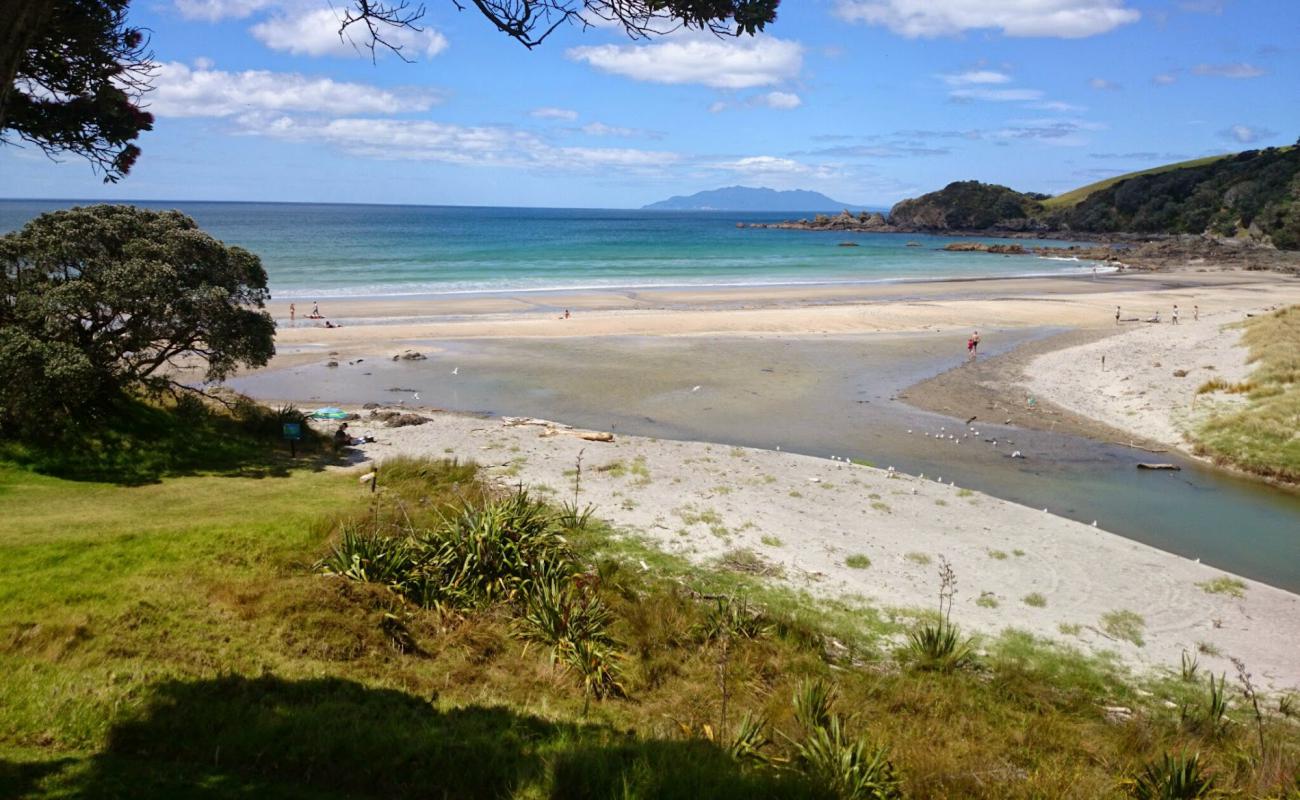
[804,514]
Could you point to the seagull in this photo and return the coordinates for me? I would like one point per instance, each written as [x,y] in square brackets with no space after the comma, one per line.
[909,431]
[696,389]
[456,371]
[417,395]
[1094,523]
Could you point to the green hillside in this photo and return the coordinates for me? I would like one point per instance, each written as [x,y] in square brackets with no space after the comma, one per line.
[1073,196]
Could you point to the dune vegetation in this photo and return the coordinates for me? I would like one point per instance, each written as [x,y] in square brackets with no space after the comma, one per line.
[1259,435]
[288,632]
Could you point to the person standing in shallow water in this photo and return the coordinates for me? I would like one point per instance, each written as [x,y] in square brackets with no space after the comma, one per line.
[972,344]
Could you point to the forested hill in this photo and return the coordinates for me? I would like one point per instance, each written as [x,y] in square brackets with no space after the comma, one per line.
[1254,195]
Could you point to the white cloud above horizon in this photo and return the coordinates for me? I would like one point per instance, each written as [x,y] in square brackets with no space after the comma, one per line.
[217,10]
[996,95]
[780,100]
[975,77]
[716,63]
[316,33]
[182,91]
[1246,134]
[1067,19]
[1238,71]
[461,145]
[551,112]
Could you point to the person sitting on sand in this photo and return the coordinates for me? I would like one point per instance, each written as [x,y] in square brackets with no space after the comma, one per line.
[329,324]
[344,438]
[341,437]
[972,344]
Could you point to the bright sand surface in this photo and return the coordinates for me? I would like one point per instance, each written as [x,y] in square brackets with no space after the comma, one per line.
[823,511]
[1136,390]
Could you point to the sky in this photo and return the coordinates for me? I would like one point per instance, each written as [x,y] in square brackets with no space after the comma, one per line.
[868,101]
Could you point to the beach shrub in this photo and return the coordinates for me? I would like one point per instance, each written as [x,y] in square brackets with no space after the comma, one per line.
[1180,777]
[97,302]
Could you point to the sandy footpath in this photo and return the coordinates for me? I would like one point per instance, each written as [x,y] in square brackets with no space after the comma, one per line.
[1137,390]
[807,515]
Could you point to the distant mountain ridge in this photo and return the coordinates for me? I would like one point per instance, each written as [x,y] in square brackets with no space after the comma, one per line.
[747,198]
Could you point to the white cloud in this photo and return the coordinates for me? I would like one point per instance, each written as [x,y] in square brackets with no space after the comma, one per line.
[215,10]
[1245,134]
[978,76]
[1057,105]
[316,33]
[723,64]
[1164,79]
[996,95]
[1103,85]
[1229,70]
[479,146]
[1069,19]
[180,91]
[550,112]
[775,166]
[717,107]
[601,129]
[782,100]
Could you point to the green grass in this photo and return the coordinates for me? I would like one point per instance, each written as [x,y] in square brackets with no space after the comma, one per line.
[1035,600]
[918,558]
[986,600]
[1076,196]
[997,555]
[857,561]
[174,639]
[770,541]
[1259,435]
[1125,625]
[1224,584]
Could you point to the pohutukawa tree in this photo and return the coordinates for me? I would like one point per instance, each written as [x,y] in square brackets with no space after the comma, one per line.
[101,301]
[72,75]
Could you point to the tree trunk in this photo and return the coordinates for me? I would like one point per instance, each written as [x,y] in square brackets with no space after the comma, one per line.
[20,22]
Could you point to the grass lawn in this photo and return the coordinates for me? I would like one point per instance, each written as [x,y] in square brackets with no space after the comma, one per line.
[1263,435]
[173,639]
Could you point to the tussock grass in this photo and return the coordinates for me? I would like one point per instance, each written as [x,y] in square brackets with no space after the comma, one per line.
[159,638]
[1224,584]
[1260,436]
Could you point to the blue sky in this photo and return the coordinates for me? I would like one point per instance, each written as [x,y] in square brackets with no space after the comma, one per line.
[868,101]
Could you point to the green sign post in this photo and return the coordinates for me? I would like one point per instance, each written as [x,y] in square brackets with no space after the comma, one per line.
[292,431]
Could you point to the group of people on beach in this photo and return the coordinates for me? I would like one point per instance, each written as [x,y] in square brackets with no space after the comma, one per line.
[1196,315]
[314,315]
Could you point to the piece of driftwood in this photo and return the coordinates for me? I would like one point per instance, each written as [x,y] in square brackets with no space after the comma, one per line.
[1140,447]
[1173,467]
[514,422]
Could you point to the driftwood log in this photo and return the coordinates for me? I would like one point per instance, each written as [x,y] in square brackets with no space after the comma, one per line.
[1173,467]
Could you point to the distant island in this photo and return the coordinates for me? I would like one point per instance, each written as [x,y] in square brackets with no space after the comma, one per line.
[749,198]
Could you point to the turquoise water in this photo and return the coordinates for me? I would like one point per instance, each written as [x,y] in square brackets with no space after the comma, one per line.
[318,251]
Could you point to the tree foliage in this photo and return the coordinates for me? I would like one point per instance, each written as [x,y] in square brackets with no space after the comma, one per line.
[530,21]
[1256,193]
[103,300]
[72,75]
[969,205]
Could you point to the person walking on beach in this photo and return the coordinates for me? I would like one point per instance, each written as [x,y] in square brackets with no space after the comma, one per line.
[315,310]
[1175,319]
[972,344]
[293,312]
[1116,315]
[1196,313]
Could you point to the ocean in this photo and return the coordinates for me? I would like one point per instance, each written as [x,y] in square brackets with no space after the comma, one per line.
[320,251]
